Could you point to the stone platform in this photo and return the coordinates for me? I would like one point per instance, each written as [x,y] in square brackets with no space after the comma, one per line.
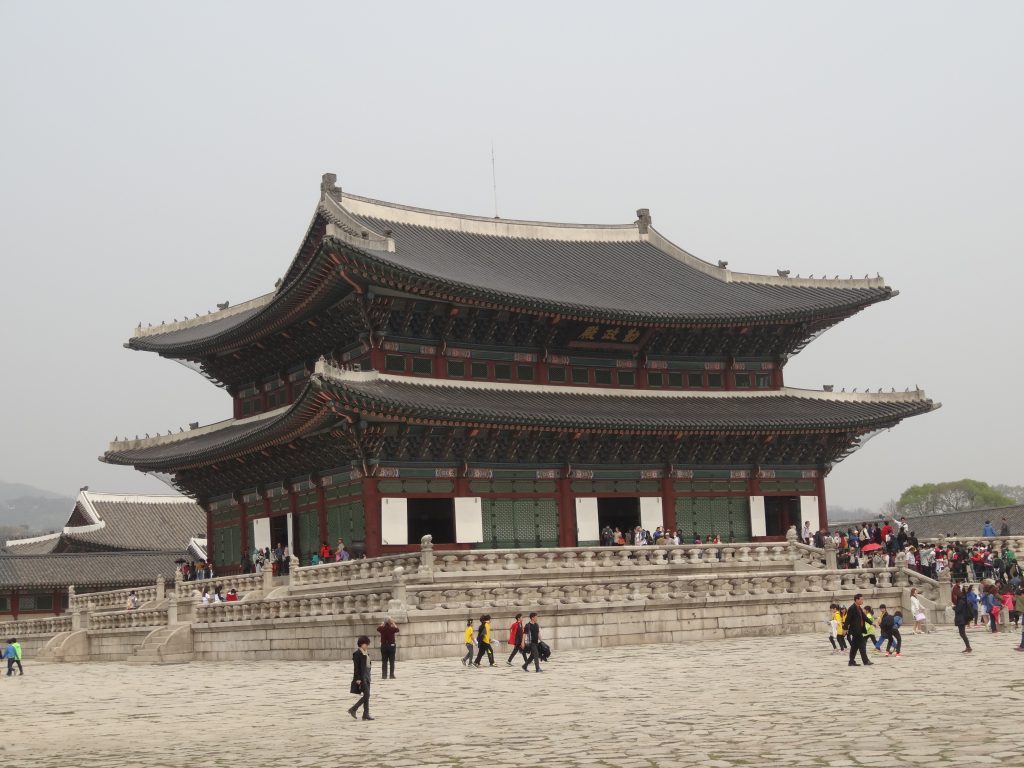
[772,701]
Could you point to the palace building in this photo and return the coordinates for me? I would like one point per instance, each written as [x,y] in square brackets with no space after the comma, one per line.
[503,384]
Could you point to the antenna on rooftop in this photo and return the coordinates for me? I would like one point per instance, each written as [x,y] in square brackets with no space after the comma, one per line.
[494,181]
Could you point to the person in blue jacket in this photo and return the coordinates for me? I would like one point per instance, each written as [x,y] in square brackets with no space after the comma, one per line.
[988,530]
[972,600]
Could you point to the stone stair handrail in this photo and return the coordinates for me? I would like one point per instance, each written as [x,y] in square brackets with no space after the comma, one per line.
[22,627]
[113,600]
[141,619]
[271,609]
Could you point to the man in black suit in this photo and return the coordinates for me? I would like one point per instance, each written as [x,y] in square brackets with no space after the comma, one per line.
[361,677]
[854,626]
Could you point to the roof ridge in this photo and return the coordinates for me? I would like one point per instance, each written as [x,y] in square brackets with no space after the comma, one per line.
[326,369]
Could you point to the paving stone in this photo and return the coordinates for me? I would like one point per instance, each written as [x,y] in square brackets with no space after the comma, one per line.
[776,701]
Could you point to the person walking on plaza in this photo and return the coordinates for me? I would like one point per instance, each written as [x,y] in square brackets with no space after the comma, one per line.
[532,640]
[895,638]
[962,615]
[855,624]
[13,655]
[917,611]
[483,641]
[361,677]
[468,638]
[387,632]
[515,639]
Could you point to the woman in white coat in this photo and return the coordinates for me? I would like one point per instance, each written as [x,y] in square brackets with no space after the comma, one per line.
[917,610]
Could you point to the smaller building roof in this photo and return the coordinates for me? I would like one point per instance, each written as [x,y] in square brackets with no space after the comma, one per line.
[967,524]
[85,569]
[121,522]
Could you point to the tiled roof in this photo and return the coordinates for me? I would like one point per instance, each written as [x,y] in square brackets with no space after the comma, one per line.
[381,397]
[35,546]
[628,272]
[967,524]
[631,279]
[89,569]
[123,522]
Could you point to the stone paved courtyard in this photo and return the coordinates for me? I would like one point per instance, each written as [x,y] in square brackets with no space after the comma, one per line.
[764,702]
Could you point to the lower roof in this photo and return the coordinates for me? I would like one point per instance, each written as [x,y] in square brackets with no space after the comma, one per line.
[91,569]
[130,522]
[335,396]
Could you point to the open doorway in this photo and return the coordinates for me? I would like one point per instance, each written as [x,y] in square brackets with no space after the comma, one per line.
[433,516]
[780,512]
[622,512]
[279,532]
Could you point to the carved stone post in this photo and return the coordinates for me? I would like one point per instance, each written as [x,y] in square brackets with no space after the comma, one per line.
[427,554]
[830,554]
[160,587]
[76,616]
[268,579]
[399,593]
[945,589]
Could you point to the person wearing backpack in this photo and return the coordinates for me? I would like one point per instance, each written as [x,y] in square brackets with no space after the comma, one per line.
[515,639]
[895,639]
[885,627]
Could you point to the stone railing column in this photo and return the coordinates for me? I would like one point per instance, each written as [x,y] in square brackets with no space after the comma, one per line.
[427,553]
[830,554]
[160,587]
[945,589]
[399,591]
[268,580]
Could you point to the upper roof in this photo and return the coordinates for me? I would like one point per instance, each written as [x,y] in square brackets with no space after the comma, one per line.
[86,569]
[626,272]
[122,522]
[371,396]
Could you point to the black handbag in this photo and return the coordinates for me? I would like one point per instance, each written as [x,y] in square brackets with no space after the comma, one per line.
[356,687]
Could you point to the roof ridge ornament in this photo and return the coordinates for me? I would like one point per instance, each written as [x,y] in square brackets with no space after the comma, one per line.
[329,186]
[643,220]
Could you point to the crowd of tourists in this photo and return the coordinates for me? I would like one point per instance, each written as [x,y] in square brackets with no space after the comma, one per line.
[876,545]
[193,571]
[639,537]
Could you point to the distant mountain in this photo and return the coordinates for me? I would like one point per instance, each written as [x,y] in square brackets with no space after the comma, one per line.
[32,510]
[10,491]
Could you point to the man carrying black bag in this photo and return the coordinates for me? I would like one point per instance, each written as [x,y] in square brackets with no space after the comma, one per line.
[531,639]
[361,678]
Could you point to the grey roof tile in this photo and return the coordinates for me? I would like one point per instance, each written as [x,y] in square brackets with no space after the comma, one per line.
[91,569]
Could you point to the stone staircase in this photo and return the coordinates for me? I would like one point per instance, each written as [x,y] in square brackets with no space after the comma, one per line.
[165,645]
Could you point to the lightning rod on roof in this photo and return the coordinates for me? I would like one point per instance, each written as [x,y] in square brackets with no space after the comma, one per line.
[494,181]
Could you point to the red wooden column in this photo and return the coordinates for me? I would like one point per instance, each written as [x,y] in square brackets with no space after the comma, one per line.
[822,506]
[58,601]
[209,536]
[371,516]
[243,520]
[566,514]
[321,514]
[668,502]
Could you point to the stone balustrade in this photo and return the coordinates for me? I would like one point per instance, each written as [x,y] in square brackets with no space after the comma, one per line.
[583,559]
[680,589]
[1016,543]
[138,619]
[354,571]
[274,609]
[22,627]
[114,600]
[243,583]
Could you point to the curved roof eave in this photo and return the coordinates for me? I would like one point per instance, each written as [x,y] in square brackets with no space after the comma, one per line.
[334,221]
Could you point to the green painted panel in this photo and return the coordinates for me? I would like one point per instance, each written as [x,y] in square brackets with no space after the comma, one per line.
[441,486]
[705,516]
[345,520]
[390,486]
[514,523]
[227,546]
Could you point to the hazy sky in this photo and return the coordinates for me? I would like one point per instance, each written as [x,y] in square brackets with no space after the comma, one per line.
[158,158]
